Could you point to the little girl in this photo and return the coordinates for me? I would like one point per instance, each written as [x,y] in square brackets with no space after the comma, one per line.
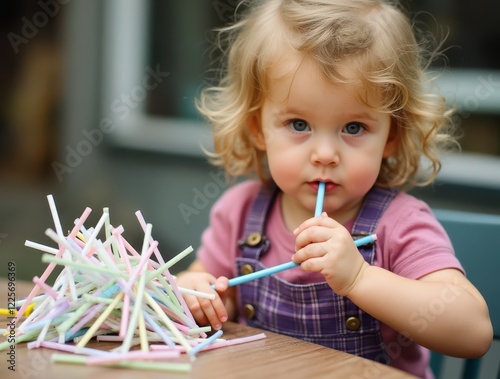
[333,91]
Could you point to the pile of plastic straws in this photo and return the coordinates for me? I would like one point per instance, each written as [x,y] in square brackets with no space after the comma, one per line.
[109,291]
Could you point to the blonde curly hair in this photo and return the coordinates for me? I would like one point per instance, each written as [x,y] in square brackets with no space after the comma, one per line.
[375,37]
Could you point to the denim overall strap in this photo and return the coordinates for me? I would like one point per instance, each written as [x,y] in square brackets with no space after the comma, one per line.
[374,206]
[313,312]
[255,242]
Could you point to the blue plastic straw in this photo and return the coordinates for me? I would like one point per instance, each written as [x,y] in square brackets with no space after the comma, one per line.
[196,349]
[285,266]
[319,199]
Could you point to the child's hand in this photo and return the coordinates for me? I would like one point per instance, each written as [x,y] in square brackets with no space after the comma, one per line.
[325,246]
[205,311]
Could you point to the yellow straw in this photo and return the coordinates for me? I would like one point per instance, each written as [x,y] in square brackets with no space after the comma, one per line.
[142,333]
[13,312]
[99,321]
[168,323]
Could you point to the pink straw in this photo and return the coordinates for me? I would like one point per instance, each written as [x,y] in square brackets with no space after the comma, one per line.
[36,288]
[134,356]
[46,288]
[215,345]
[49,268]
[68,348]
[79,222]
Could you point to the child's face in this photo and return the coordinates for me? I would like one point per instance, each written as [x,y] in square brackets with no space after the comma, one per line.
[315,130]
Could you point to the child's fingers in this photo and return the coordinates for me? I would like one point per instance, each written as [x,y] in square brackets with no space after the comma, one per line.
[206,311]
[314,264]
[313,234]
[213,311]
[322,220]
[196,309]
[221,285]
[310,251]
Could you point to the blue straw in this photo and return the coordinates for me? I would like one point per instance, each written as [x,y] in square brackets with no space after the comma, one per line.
[319,199]
[205,343]
[285,266]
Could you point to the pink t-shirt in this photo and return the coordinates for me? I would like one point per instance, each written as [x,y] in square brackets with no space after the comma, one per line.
[410,243]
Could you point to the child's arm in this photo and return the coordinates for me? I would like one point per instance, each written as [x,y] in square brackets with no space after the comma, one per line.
[205,311]
[442,311]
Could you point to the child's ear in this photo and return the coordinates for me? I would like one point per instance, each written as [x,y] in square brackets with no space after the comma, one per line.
[255,127]
[392,144]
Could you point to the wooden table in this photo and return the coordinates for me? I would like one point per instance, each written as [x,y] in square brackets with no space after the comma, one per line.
[274,357]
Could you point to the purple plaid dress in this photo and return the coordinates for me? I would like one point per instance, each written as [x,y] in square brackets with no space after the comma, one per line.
[311,312]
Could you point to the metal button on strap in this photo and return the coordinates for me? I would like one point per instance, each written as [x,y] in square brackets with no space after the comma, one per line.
[352,323]
[249,311]
[254,239]
[246,269]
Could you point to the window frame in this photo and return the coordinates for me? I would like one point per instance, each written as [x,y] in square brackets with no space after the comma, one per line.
[125,40]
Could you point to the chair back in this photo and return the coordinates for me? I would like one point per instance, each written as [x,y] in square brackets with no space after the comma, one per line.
[475,238]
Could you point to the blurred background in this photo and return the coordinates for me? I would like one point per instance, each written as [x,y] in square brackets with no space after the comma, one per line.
[97,110]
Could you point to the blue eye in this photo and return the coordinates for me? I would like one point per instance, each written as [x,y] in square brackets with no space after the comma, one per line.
[353,128]
[299,125]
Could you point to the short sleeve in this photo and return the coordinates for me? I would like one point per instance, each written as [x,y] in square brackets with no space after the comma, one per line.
[219,240]
[412,241]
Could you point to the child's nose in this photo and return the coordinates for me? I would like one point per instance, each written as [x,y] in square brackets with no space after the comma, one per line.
[325,151]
